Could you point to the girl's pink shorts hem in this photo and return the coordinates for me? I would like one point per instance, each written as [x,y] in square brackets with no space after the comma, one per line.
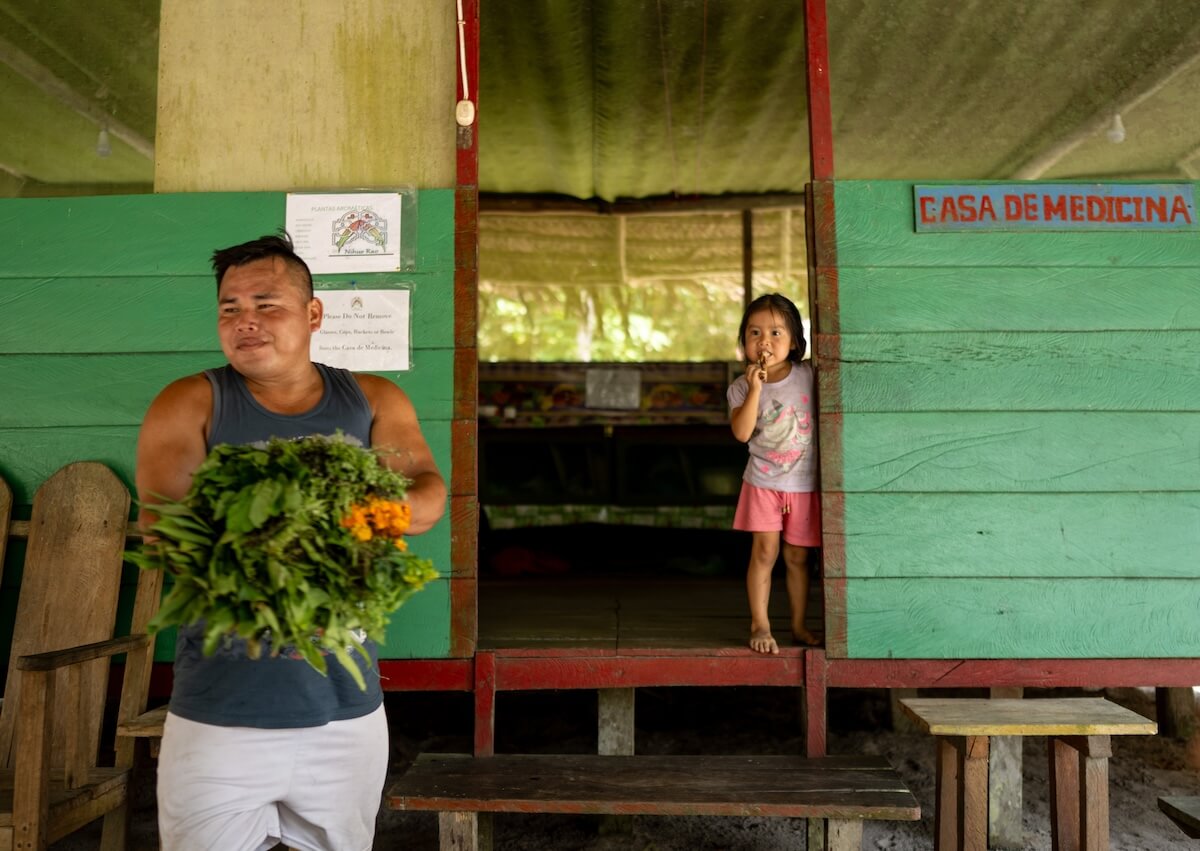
[797,515]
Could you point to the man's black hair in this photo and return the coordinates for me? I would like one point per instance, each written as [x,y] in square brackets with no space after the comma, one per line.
[275,245]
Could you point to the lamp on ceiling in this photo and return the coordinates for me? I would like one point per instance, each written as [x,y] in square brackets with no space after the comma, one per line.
[103,143]
[1116,130]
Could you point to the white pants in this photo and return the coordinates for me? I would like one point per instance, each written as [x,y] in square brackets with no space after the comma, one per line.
[246,789]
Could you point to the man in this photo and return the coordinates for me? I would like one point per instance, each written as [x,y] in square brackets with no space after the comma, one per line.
[260,751]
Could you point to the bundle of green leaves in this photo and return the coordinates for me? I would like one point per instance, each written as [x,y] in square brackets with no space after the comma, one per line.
[287,544]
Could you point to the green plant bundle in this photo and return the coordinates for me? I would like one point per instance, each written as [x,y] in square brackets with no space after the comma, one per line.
[291,543]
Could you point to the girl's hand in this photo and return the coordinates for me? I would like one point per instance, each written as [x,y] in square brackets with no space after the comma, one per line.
[756,374]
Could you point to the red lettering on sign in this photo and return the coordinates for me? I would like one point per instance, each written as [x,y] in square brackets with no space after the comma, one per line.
[1156,206]
[1012,207]
[986,209]
[926,212]
[1122,216]
[1077,208]
[949,211]
[1137,209]
[1029,209]
[966,208]
[1052,209]
[1179,207]
[1095,209]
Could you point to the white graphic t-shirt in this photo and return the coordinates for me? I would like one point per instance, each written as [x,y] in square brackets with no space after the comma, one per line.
[783,453]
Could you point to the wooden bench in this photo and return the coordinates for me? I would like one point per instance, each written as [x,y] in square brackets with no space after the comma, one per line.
[1185,812]
[834,792]
[1078,746]
[148,726]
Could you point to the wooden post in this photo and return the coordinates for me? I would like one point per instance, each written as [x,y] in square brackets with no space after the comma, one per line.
[945,814]
[465,831]
[31,797]
[616,719]
[1064,794]
[1004,784]
[485,703]
[960,818]
[1094,752]
[815,693]
[843,834]
[901,722]
[815,829]
[615,708]
[1176,712]
[747,257]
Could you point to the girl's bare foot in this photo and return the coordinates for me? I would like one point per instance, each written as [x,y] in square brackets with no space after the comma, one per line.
[803,636]
[761,641]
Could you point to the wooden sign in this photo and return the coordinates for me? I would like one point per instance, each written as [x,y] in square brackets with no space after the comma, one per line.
[1054,207]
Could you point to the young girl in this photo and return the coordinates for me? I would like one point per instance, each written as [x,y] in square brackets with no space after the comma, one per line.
[771,409]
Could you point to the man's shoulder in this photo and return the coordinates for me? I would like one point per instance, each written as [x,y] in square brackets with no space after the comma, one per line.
[376,386]
[190,393]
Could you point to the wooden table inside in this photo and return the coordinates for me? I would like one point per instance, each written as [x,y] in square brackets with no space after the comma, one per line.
[1078,731]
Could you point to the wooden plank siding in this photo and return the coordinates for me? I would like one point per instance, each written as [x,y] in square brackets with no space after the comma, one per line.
[1010,437]
[119,300]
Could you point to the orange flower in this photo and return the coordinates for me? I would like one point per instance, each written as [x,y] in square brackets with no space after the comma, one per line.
[384,517]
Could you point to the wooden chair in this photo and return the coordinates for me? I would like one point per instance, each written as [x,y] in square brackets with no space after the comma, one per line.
[54,697]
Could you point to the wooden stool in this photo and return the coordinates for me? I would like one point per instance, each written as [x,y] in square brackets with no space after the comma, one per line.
[1077,732]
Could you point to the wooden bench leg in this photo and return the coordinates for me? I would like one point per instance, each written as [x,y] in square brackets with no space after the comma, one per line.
[960,815]
[1064,795]
[945,812]
[465,831]
[1079,792]
[843,835]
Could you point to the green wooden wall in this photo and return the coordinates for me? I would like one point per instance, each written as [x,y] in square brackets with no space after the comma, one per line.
[105,300]
[1014,437]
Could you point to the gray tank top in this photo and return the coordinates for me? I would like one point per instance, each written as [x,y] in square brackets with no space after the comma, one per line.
[229,689]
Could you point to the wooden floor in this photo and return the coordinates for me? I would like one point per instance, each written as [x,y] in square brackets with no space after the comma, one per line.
[625,613]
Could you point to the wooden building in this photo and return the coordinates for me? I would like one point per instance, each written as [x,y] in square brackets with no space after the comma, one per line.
[1009,419]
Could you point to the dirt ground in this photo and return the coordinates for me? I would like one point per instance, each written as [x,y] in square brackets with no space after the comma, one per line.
[737,721]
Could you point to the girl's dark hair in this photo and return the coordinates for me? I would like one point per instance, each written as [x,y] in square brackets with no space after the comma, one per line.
[782,306]
[257,249]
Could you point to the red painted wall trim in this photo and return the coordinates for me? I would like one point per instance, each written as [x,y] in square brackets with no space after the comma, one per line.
[1030,673]
[426,674]
[464,515]
[485,703]
[815,693]
[823,258]
[820,113]
[570,671]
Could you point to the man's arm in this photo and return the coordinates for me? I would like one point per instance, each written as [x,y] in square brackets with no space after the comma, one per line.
[396,431]
[171,443]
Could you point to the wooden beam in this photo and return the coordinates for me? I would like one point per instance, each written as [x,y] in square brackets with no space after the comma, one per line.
[562,204]
[820,110]
[52,85]
[747,257]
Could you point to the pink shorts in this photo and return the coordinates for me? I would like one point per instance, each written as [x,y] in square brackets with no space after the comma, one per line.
[797,515]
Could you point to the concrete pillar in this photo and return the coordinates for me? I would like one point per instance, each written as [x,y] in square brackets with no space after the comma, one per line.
[1004,785]
[616,717]
[616,738]
[309,94]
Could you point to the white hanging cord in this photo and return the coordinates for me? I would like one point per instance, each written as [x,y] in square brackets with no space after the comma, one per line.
[464,112]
